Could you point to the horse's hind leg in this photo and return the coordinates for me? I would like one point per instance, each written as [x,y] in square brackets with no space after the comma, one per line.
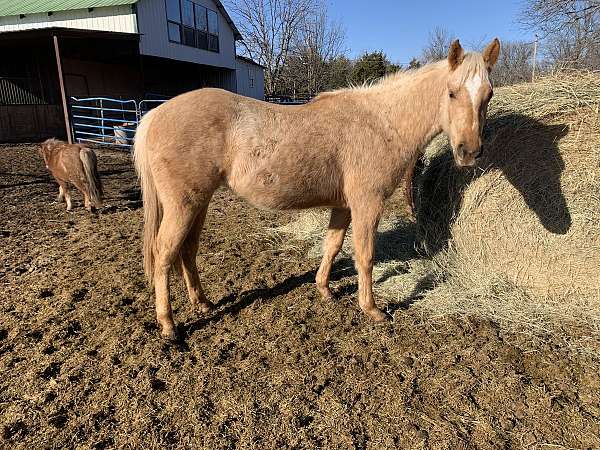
[188,264]
[174,228]
[86,196]
[334,239]
[61,194]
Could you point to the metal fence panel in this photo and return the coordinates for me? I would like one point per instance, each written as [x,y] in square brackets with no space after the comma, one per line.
[103,120]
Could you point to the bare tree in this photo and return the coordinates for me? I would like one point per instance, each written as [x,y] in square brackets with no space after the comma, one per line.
[514,63]
[437,45]
[269,28]
[569,28]
[319,42]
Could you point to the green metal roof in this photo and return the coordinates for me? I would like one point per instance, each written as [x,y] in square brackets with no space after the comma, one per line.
[13,8]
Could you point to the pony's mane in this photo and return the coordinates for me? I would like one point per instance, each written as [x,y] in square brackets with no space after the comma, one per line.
[52,141]
[471,66]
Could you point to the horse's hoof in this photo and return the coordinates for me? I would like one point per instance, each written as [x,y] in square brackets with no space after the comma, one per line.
[169,334]
[205,307]
[378,316]
[326,293]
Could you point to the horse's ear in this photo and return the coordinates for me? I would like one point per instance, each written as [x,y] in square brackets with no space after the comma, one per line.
[456,54]
[491,52]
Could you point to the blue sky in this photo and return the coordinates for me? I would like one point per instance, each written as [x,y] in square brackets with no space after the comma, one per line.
[400,28]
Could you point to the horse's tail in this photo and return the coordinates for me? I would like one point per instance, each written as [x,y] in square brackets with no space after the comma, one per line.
[152,206]
[90,167]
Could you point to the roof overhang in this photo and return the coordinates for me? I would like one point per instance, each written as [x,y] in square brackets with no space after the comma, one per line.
[249,61]
[66,33]
[236,32]
[15,8]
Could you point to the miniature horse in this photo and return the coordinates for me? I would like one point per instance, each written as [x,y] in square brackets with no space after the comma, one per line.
[75,164]
[346,150]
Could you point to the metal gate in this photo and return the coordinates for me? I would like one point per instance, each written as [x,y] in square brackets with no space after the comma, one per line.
[109,121]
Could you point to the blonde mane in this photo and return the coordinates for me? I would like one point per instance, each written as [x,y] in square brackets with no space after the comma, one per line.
[471,66]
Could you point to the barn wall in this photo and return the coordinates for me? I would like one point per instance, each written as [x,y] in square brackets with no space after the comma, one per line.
[95,78]
[31,123]
[112,18]
[168,78]
[154,40]
[245,71]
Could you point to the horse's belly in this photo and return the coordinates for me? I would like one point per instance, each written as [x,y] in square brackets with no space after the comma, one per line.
[273,189]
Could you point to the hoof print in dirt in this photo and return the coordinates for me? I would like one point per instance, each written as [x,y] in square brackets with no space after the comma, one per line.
[78,295]
[14,430]
[50,372]
[59,420]
[45,293]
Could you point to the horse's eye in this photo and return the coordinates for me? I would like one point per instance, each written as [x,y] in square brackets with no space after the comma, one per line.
[451,94]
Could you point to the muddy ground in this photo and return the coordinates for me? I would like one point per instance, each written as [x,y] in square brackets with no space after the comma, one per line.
[274,366]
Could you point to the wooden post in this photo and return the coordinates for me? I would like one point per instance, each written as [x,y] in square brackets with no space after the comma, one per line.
[63,95]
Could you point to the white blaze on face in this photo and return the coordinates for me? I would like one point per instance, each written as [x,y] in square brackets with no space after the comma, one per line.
[473,85]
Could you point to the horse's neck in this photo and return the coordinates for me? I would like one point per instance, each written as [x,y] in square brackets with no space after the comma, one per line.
[412,107]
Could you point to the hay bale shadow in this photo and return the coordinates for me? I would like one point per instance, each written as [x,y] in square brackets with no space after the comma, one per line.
[525,150]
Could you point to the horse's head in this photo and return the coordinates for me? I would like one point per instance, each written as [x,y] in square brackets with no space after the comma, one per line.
[45,149]
[466,99]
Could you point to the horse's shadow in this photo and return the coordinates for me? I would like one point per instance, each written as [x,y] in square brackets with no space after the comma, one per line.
[395,244]
[34,179]
[523,149]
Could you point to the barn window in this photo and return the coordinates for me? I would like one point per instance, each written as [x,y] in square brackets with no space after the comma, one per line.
[201,22]
[174,32]
[213,31]
[251,77]
[187,13]
[174,20]
[173,11]
[192,24]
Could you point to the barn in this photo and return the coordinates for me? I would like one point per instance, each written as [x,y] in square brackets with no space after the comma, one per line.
[57,50]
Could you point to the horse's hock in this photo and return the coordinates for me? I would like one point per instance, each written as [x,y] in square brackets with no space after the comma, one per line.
[530,213]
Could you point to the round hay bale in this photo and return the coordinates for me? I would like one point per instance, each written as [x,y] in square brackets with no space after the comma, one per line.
[529,213]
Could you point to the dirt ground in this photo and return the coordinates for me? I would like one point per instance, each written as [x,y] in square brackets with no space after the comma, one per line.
[274,366]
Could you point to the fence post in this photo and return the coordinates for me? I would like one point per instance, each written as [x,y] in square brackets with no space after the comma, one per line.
[62,89]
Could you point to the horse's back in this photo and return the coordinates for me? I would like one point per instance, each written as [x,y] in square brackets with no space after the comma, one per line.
[65,163]
[274,156]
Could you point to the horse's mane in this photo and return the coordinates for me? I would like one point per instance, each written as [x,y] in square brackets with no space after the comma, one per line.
[52,141]
[472,65]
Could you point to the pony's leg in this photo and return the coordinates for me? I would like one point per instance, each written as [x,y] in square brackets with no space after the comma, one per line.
[365,219]
[67,197]
[338,224]
[61,194]
[188,264]
[86,198]
[174,228]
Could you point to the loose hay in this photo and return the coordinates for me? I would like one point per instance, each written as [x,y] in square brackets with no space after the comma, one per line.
[516,239]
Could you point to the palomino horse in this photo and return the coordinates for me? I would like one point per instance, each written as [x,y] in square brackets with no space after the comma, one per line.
[347,150]
[75,164]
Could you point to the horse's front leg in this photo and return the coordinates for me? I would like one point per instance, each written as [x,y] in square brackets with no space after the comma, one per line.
[365,218]
[61,194]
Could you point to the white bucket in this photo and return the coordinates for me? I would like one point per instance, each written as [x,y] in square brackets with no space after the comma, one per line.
[121,133]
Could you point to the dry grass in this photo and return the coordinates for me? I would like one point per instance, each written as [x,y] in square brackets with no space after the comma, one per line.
[518,238]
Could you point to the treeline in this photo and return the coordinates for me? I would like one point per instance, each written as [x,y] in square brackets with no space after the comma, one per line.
[304,52]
